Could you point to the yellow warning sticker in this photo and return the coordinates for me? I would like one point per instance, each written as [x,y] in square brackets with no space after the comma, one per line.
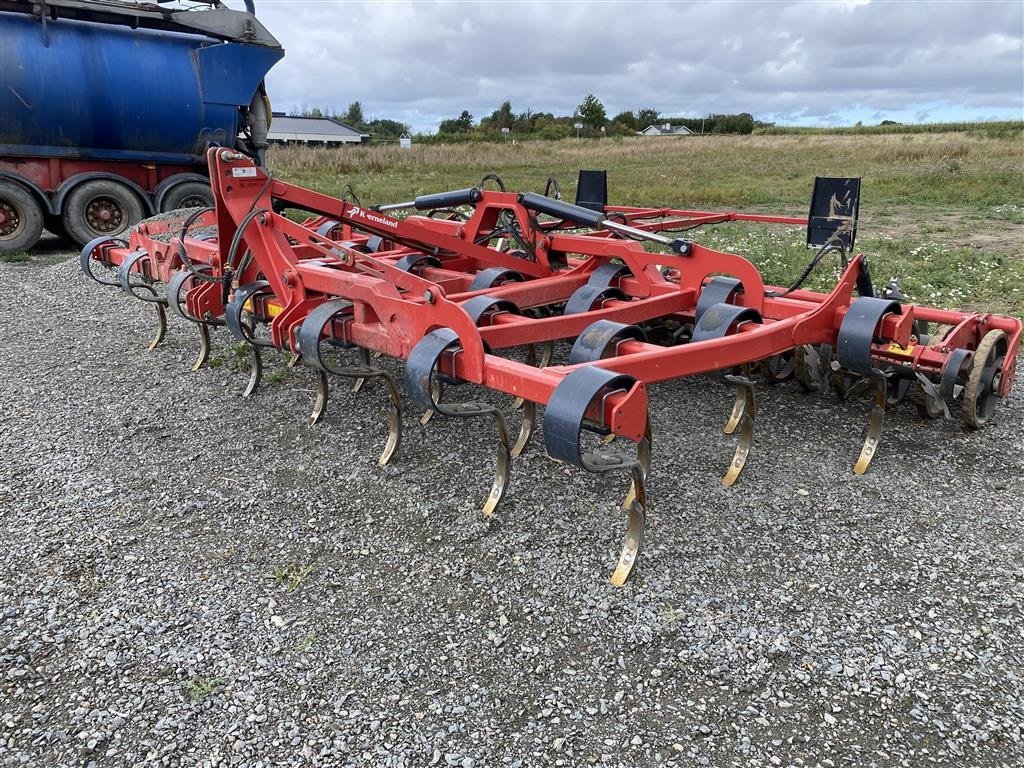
[896,349]
[272,310]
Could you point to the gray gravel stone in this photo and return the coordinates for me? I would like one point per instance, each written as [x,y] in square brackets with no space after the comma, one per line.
[190,579]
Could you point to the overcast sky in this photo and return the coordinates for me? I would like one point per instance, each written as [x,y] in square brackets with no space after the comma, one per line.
[789,62]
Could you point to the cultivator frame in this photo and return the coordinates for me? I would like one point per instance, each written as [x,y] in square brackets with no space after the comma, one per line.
[447,291]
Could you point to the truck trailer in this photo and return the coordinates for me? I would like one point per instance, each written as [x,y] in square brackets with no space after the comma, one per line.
[108,107]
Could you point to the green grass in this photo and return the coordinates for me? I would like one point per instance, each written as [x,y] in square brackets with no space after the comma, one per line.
[290,576]
[15,257]
[943,210]
[199,687]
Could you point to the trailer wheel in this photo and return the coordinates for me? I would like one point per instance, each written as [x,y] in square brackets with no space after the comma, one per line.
[100,207]
[188,194]
[21,218]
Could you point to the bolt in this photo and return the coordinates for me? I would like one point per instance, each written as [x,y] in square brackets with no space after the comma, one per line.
[428,296]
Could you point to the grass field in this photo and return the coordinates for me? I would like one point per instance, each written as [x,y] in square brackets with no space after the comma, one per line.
[944,211]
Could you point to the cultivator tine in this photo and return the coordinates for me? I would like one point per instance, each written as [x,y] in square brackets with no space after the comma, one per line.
[636,523]
[244,329]
[744,410]
[161,316]
[394,420]
[311,334]
[320,404]
[161,325]
[503,462]
[744,390]
[419,377]
[853,346]
[364,361]
[255,370]
[874,430]
[436,393]
[174,302]
[124,279]
[204,347]
[526,428]
[85,258]
[564,421]
[537,361]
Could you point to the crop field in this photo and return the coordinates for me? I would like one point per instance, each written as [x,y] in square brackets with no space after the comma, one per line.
[943,211]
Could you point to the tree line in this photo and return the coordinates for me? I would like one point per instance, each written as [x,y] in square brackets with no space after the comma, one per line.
[590,115]
[593,119]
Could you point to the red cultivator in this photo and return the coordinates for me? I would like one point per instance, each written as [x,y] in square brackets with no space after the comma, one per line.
[486,271]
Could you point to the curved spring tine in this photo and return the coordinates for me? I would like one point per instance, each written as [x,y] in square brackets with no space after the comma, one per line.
[547,349]
[394,420]
[874,431]
[744,397]
[174,303]
[419,378]
[503,464]
[161,327]
[503,468]
[85,259]
[636,509]
[394,405]
[255,371]
[643,460]
[320,404]
[738,407]
[536,362]
[204,347]
[745,425]
[526,429]
[161,317]
[436,392]
[364,362]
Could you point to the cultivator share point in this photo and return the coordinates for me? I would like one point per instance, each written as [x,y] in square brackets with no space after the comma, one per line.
[473,273]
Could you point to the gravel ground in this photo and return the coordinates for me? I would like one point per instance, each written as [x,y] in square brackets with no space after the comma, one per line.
[192,579]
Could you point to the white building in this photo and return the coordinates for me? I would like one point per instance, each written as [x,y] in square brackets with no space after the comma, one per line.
[313,130]
[665,130]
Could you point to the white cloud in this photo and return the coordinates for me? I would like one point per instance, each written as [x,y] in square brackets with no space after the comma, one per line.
[421,62]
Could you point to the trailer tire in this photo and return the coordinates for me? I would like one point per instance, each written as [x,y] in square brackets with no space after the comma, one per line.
[100,207]
[187,194]
[21,218]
